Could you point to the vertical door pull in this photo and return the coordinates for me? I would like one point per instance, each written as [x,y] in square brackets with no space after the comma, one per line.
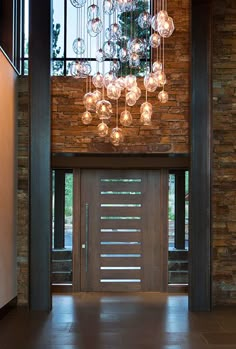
[86,235]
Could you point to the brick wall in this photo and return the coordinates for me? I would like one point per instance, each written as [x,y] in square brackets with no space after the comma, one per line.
[224,152]
[23,193]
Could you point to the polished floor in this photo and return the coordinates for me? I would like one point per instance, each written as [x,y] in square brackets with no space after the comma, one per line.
[119,321]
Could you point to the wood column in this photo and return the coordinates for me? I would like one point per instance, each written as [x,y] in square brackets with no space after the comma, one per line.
[40,139]
[200,172]
[180,210]
[59,219]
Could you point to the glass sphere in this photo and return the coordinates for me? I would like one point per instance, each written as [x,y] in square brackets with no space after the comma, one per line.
[121,82]
[102,129]
[146,107]
[93,11]
[146,118]
[163,96]
[144,20]
[161,79]
[162,16]
[100,55]
[137,45]
[126,5]
[130,81]
[130,98]
[90,26]
[78,46]
[126,118]
[137,91]
[123,55]
[114,32]
[115,66]
[134,60]
[150,82]
[98,95]
[157,67]
[85,69]
[166,28]
[154,23]
[78,3]
[109,48]
[86,118]
[108,78]
[113,91]
[90,101]
[154,40]
[97,80]
[75,69]
[96,25]
[109,6]
[116,136]
[104,109]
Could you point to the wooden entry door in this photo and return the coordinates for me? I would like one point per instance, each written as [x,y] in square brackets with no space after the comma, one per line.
[123,230]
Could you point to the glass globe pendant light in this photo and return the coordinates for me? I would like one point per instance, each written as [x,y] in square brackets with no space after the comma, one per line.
[102,129]
[163,96]
[86,117]
[113,90]
[79,46]
[116,136]
[126,118]
[150,82]
[144,20]
[104,109]
[90,101]
[146,118]
[98,80]
[130,98]
[166,28]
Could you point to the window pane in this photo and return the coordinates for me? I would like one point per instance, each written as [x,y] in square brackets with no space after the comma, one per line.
[58,29]
[26,29]
[58,68]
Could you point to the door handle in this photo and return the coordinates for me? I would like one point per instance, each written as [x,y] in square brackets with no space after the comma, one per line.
[86,235]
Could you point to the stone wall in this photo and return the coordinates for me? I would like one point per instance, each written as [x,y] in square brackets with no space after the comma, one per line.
[169,132]
[224,152]
[23,192]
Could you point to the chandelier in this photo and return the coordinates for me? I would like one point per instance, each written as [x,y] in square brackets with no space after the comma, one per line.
[122,35]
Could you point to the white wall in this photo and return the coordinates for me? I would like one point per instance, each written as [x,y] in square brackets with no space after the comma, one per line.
[8,288]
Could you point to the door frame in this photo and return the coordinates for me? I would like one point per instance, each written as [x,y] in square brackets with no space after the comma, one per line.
[110,161]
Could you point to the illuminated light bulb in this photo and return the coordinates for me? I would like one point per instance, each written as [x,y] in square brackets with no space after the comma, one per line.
[93,11]
[102,129]
[78,46]
[146,107]
[144,20]
[97,95]
[86,117]
[78,3]
[97,80]
[146,118]
[116,136]
[104,109]
[126,118]
[150,82]
[166,28]
[137,91]
[154,40]
[108,78]
[161,79]
[109,6]
[90,101]
[130,81]
[113,91]
[157,67]
[121,82]
[163,96]
[130,98]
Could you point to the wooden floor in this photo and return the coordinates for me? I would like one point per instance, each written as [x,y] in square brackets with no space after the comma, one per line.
[115,321]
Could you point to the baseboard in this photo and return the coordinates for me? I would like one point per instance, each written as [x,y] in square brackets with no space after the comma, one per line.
[177,288]
[7,307]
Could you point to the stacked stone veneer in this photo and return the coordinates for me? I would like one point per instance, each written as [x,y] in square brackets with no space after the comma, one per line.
[169,132]
[224,152]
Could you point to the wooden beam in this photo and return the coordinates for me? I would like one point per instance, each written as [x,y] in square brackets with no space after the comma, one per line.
[40,139]
[200,171]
